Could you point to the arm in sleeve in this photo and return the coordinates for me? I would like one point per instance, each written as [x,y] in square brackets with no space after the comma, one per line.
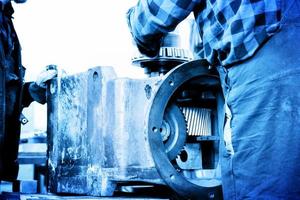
[36,91]
[32,92]
[150,20]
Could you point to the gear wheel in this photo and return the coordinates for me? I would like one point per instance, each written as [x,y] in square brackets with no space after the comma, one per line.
[174,131]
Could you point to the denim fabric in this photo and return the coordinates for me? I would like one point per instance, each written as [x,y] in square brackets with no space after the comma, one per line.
[261,158]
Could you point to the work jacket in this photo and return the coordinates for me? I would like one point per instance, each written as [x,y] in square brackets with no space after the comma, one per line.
[14,94]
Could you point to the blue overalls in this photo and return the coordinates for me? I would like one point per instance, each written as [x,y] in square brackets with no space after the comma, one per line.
[261,157]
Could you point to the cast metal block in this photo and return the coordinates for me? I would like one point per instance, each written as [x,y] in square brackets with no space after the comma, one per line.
[105,131]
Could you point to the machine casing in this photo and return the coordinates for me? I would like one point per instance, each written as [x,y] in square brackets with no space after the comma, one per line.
[98,134]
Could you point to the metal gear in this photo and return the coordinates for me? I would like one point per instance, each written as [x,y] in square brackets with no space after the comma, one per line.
[198,121]
[173,80]
[174,131]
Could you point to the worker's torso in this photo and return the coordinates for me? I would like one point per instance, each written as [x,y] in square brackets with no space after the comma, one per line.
[232,30]
[10,61]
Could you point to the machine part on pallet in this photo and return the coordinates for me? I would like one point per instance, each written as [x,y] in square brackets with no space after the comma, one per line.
[88,155]
[172,82]
[121,131]
[198,121]
[174,130]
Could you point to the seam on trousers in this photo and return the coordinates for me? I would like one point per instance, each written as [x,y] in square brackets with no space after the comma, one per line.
[228,117]
[228,132]
[286,12]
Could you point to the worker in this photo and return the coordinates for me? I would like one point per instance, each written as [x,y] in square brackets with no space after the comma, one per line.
[14,93]
[254,45]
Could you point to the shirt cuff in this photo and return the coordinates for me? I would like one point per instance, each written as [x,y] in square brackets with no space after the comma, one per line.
[32,92]
[150,47]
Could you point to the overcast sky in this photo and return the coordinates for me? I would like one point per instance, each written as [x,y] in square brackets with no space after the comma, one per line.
[75,35]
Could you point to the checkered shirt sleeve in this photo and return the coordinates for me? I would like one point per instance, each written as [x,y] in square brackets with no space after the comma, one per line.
[231,30]
[150,20]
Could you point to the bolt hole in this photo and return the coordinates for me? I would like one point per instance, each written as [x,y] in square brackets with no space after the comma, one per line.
[183,156]
[154,129]
[172,177]
[171,83]
[95,75]
[211,195]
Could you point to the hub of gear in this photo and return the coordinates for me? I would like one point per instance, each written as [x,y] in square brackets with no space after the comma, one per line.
[174,131]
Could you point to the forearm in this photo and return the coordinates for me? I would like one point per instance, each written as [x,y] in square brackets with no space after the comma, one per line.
[32,92]
[150,20]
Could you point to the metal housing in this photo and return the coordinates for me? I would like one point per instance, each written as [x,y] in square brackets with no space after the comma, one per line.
[103,131]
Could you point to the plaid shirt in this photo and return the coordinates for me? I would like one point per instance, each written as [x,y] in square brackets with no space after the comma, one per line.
[230,30]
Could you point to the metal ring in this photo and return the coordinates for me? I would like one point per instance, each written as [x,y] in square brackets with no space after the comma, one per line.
[172,81]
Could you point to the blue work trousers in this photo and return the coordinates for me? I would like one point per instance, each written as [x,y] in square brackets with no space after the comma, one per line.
[261,157]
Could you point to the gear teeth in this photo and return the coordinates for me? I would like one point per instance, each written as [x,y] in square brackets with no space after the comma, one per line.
[187,132]
[186,122]
[198,121]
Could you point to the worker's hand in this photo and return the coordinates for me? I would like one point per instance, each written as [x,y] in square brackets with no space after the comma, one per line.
[45,76]
[151,49]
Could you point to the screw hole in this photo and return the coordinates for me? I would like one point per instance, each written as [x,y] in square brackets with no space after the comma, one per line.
[154,129]
[95,75]
[211,195]
[172,177]
[171,83]
[183,156]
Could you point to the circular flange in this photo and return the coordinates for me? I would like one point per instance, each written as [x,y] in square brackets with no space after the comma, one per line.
[171,83]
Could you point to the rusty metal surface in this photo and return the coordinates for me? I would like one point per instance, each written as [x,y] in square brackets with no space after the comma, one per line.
[67,143]
[196,188]
[105,131]
[93,141]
